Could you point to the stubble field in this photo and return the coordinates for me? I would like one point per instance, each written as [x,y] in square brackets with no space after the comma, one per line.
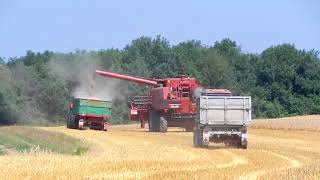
[128,152]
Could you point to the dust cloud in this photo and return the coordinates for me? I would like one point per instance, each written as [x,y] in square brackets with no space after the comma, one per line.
[87,83]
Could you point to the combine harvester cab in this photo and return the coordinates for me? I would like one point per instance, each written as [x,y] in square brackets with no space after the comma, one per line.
[222,117]
[88,112]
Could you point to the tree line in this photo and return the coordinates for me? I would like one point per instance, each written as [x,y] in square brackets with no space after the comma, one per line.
[282,80]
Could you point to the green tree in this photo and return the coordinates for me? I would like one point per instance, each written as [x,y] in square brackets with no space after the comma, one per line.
[188,57]
[282,80]
[216,71]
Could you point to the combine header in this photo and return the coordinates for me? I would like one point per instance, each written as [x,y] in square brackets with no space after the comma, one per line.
[170,103]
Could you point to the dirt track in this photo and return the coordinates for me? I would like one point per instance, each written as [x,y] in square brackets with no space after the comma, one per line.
[129,152]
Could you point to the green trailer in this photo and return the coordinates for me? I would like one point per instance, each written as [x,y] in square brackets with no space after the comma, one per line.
[89,112]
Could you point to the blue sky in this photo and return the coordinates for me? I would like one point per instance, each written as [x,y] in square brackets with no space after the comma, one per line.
[61,25]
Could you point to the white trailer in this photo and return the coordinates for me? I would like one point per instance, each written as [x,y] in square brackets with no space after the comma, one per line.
[222,118]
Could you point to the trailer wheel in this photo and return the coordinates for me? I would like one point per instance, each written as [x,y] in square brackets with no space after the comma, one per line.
[71,124]
[198,138]
[243,144]
[75,122]
[105,126]
[68,123]
[163,124]
[80,124]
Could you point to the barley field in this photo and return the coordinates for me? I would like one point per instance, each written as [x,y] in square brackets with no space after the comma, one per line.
[310,123]
[128,152]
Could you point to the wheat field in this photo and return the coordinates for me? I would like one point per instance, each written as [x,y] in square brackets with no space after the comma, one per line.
[310,123]
[128,152]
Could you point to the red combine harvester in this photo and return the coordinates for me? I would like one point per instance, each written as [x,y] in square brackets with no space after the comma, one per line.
[170,103]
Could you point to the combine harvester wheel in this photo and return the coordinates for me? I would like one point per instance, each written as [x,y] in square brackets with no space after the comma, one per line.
[154,121]
[163,125]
